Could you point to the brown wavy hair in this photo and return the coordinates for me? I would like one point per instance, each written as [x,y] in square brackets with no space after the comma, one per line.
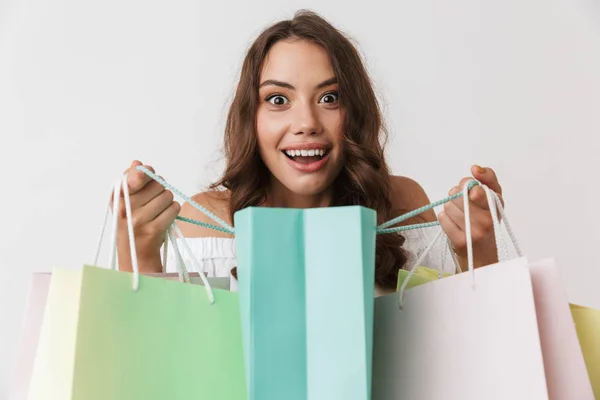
[365,177]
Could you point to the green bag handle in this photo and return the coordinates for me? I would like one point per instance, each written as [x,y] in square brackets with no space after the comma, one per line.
[494,203]
[225,227]
[385,227]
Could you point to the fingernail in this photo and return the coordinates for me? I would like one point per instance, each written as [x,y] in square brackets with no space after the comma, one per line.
[481,170]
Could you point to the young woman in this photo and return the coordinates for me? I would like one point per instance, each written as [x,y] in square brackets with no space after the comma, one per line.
[304,130]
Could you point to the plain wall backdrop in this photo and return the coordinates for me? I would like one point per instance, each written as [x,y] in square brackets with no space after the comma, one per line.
[86,87]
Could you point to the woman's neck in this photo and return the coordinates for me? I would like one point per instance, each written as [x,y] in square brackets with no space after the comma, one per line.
[280,196]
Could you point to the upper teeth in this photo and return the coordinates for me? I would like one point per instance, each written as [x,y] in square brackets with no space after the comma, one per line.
[305,153]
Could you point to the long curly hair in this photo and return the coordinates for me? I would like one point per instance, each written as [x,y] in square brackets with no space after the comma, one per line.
[365,177]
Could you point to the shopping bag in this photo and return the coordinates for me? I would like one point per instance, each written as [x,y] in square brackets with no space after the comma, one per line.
[468,336]
[455,341]
[215,282]
[53,367]
[421,275]
[587,323]
[116,335]
[34,313]
[28,340]
[100,340]
[306,286]
[564,365]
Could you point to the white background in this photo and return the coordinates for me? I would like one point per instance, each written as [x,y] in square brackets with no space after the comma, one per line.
[85,87]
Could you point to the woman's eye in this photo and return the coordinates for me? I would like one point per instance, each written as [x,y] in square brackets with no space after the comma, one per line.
[278,100]
[329,98]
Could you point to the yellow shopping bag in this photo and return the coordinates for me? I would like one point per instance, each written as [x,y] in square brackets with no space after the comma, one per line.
[420,276]
[587,324]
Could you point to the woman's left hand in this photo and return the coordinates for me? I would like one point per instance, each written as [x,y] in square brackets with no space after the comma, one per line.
[452,219]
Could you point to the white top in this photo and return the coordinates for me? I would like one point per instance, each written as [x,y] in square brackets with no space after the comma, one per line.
[216,256]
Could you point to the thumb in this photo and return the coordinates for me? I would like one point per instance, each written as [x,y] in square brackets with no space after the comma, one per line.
[486,176]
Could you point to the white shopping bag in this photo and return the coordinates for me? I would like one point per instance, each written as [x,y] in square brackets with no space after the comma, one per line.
[471,336]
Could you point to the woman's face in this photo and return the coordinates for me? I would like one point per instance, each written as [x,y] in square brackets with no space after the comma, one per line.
[300,123]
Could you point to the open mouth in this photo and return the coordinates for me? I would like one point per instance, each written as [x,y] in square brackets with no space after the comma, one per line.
[307,156]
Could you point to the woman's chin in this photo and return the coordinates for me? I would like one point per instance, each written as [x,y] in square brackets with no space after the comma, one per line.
[308,186]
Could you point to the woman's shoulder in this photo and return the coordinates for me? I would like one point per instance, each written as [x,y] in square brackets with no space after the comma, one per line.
[217,202]
[406,195]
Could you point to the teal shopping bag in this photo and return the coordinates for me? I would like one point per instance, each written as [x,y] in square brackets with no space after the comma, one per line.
[306,287]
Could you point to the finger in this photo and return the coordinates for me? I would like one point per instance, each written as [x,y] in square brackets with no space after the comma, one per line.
[146,194]
[456,214]
[458,202]
[481,220]
[479,201]
[134,164]
[165,219]
[477,195]
[487,176]
[455,208]
[137,179]
[134,188]
[153,208]
[464,181]
[478,198]
[455,234]
[461,185]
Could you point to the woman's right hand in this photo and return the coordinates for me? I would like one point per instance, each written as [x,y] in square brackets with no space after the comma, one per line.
[153,211]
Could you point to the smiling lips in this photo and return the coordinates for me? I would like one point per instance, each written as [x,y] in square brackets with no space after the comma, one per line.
[308,157]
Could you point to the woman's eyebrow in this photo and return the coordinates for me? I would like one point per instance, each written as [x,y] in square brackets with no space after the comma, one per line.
[327,82]
[274,82]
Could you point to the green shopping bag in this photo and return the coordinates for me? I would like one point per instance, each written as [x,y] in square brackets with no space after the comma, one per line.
[306,286]
[117,335]
[102,340]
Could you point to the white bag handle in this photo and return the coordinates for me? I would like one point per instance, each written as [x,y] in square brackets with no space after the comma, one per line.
[116,192]
[183,273]
[494,204]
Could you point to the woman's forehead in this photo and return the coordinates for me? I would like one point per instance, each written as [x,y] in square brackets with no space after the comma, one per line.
[296,61]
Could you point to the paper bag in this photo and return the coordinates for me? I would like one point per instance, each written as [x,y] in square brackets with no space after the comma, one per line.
[306,285]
